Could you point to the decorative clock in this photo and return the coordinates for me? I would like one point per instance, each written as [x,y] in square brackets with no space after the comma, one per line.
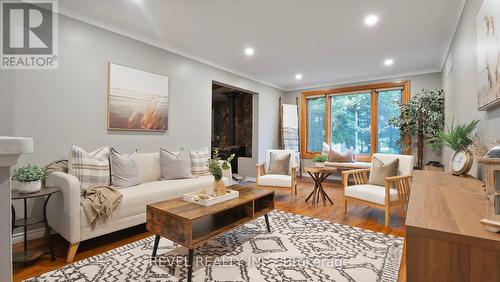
[461,162]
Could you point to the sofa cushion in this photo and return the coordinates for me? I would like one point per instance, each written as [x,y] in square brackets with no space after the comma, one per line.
[174,165]
[199,161]
[149,166]
[370,193]
[92,169]
[136,198]
[275,180]
[345,157]
[124,169]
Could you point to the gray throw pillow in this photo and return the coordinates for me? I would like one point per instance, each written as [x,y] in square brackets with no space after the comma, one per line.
[175,165]
[279,165]
[125,170]
[381,170]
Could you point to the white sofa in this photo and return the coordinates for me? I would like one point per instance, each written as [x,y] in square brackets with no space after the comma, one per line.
[65,215]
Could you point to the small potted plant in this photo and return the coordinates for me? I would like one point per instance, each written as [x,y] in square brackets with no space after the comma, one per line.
[29,178]
[216,166]
[320,160]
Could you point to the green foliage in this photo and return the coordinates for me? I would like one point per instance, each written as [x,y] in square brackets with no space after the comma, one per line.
[29,173]
[351,121]
[316,123]
[216,165]
[456,137]
[423,115]
[319,159]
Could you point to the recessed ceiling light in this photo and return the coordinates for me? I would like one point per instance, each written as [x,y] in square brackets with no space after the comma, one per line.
[388,62]
[249,51]
[371,20]
[298,76]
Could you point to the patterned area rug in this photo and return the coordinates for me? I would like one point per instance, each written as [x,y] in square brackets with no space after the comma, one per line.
[299,248]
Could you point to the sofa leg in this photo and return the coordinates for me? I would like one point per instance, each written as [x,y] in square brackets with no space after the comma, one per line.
[73,247]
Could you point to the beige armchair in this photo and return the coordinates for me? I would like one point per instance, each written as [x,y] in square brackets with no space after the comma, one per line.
[278,180]
[396,190]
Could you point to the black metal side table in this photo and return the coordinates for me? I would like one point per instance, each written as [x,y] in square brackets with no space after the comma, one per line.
[26,221]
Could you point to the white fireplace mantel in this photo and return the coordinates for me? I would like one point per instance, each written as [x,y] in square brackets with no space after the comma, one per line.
[11,148]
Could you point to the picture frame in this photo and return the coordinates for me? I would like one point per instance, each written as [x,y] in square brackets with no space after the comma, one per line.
[137,100]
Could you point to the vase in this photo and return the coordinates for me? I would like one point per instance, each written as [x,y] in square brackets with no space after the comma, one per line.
[29,187]
[219,187]
[318,164]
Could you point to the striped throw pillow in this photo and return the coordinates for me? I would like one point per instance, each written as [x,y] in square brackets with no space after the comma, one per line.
[199,161]
[92,169]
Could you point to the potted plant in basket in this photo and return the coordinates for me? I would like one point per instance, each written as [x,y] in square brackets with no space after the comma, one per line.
[29,178]
[216,165]
[320,160]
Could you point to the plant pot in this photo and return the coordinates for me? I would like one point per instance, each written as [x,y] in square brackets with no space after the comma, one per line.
[318,164]
[29,187]
[219,187]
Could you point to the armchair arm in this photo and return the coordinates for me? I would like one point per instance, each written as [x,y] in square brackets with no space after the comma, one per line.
[261,169]
[402,185]
[398,177]
[360,176]
[63,209]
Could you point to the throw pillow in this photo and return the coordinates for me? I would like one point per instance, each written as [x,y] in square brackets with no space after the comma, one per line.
[199,161]
[325,150]
[279,165]
[92,169]
[381,170]
[346,157]
[174,165]
[125,170]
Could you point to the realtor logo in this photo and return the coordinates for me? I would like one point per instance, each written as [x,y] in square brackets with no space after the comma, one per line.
[29,34]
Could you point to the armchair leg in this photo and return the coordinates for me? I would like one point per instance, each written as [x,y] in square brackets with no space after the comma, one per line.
[345,206]
[73,247]
[387,216]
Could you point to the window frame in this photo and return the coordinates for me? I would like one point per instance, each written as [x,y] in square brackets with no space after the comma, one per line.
[328,93]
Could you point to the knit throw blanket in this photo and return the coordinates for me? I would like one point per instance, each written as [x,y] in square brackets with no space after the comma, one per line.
[99,203]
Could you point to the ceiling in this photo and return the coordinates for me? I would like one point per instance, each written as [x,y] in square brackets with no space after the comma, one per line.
[324,40]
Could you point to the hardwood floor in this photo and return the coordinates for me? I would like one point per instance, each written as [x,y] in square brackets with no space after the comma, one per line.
[359,216]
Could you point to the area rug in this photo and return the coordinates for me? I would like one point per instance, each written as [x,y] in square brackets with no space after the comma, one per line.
[299,248]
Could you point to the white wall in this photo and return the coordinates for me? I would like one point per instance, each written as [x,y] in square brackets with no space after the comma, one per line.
[69,104]
[461,84]
[418,82]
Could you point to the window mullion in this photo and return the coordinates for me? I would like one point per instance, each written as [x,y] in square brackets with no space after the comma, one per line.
[374,121]
[328,119]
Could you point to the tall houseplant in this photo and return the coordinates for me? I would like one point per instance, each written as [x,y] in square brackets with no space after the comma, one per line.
[421,119]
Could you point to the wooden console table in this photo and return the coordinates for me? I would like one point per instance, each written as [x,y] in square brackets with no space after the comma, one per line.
[444,239]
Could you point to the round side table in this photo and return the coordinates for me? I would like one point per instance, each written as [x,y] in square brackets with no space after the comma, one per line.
[26,221]
[319,174]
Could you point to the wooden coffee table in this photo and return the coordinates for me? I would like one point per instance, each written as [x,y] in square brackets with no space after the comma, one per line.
[319,174]
[191,225]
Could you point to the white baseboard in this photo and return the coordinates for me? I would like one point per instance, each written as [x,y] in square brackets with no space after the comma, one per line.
[32,234]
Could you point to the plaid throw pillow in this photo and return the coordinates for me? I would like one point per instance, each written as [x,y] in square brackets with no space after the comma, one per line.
[92,169]
[199,161]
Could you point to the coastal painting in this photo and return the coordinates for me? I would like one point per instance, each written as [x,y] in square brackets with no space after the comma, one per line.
[137,100]
[488,54]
